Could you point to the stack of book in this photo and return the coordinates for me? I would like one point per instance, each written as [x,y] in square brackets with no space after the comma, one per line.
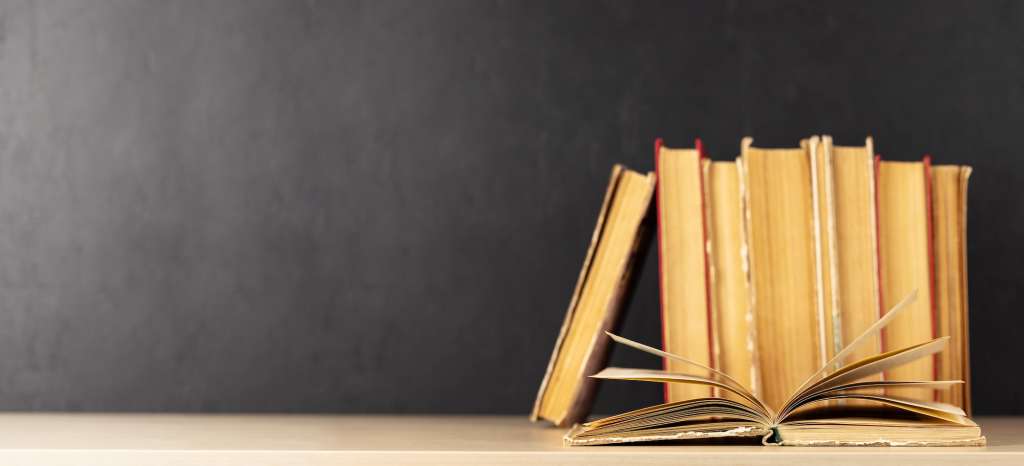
[814,295]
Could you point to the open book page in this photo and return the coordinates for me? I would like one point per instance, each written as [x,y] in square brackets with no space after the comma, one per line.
[700,418]
[825,385]
[685,408]
[877,425]
[869,385]
[691,412]
[581,436]
[652,375]
[943,411]
[867,367]
[713,374]
[865,337]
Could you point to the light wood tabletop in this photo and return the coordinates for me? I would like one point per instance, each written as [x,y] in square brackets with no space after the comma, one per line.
[185,439]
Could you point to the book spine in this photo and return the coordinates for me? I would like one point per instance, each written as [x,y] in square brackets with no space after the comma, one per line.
[927,162]
[810,147]
[833,248]
[755,366]
[756,376]
[878,251]
[705,165]
[597,354]
[869,145]
[712,327]
[661,259]
[965,174]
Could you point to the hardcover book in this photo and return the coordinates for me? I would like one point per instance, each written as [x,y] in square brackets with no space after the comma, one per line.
[819,412]
[566,393]
[686,315]
[783,228]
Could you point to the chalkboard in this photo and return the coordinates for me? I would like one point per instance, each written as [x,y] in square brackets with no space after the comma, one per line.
[382,206]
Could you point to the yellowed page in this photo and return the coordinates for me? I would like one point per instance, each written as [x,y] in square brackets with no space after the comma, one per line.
[827,282]
[942,411]
[687,365]
[783,285]
[730,291]
[864,338]
[857,247]
[965,175]
[654,375]
[879,363]
[950,274]
[866,368]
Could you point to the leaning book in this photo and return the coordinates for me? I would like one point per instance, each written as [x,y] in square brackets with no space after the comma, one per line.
[839,405]
[566,393]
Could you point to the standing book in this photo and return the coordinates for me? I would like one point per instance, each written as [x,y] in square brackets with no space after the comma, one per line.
[856,251]
[949,211]
[905,245]
[785,288]
[686,319]
[732,315]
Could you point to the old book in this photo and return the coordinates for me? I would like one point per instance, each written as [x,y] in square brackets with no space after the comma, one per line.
[784,286]
[949,211]
[904,218]
[566,393]
[806,418]
[826,280]
[686,319]
[728,273]
[856,251]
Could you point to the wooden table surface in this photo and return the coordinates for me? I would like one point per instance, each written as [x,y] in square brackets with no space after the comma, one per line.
[185,439]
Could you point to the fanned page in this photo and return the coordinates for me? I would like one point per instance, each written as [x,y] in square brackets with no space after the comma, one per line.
[718,377]
[867,367]
[843,383]
[686,322]
[780,229]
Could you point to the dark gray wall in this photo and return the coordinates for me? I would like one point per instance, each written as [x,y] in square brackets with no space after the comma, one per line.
[382,206]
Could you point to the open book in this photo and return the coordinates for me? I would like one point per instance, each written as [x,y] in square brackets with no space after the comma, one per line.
[833,407]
